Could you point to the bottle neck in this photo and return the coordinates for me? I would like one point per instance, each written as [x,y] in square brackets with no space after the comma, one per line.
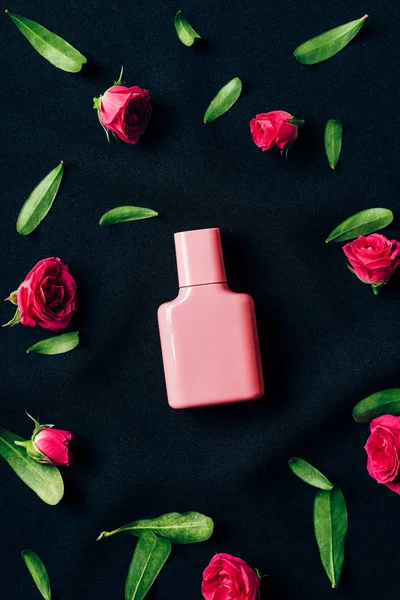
[199,257]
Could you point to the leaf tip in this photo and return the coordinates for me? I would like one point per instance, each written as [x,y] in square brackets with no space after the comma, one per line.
[101,536]
[365,17]
[7,11]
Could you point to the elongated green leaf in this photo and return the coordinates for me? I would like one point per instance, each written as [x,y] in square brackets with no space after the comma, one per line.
[186,528]
[309,474]
[386,402]
[362,223]
[121,214]
[333,141]
[38,571]
[148,559]
[57,344]
[39,202]
[327,44]
[53,48]
[330,526]
[185,31]
[223,101]
[44,480]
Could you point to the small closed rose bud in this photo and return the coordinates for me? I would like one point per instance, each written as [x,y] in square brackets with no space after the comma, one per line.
[53,444]
[48,445]
[229,578]
[383,451]
[125,111]
[275,129]
[373,258]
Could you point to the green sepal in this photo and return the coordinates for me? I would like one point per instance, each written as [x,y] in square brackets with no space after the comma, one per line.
[32,451]
[12,298]
[119,80]
[296,122]
[15,320]
[97,103]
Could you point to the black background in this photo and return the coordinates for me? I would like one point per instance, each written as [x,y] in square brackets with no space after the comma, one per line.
[326,340]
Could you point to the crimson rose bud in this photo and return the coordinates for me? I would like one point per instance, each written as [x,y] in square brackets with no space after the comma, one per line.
[125,111]
[229,578]
[48,445]
[53,444]
[373,258]
[47,296]
[383,451]
[274,129]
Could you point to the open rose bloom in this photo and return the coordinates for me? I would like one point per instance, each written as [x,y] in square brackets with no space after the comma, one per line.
[275,129]
[229,578]
[373,258]
[46,297]
[125,111]
[383,451]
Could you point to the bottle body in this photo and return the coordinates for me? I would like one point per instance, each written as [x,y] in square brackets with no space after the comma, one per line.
[210,347]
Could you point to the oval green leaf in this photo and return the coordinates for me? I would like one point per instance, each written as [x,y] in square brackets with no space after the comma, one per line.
[333,141]
[223,101]
[330,526]
[53,48]
[362,223]
[386,402]
[58,344]
[327,44]
[38,572]
[149,557]
[309,474]
[121,214]
[39,202]
[184,30]
[186,528]
[44,480]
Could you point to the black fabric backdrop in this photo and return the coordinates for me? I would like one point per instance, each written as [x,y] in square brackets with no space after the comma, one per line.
[326,340]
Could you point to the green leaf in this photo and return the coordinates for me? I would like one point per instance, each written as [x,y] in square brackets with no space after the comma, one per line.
[38,571]
[330,526]
[39,202]
[121,214]
[327,44]
[386,402]
[44,480]
[333,141]
[362,223]
[53,48]
[186,528]
[148,559]
[185,31]
[58,344]
[309,474]
[223,101]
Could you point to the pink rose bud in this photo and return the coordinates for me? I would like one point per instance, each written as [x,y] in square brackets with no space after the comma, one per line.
[48,445]
[275,129]
[383,451]
[229,578]
[53,444]
[373,259]
[125,111]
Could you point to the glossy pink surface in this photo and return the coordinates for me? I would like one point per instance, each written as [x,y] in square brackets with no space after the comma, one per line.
[208,333]
[199,257]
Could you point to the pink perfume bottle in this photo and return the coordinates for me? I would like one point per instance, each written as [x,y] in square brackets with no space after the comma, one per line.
[208,333]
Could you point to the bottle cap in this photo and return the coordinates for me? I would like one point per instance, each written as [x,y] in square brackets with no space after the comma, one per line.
[199,257]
